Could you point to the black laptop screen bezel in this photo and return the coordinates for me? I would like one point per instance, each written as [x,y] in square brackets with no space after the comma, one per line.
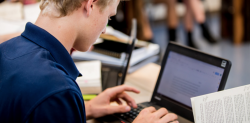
[173,105]
[129,51]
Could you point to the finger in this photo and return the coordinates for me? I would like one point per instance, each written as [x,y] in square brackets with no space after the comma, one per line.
[174,121]
[169,117]
[129,100]
[149,110]
[118,101]
[117,109]
[120,89]
[161,112]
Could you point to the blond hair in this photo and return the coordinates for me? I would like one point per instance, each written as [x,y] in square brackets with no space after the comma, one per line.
[61,8]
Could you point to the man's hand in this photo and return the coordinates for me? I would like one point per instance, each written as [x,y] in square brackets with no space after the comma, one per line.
[100,106]
[150,115]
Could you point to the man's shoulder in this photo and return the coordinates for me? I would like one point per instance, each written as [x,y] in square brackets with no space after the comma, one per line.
[16,47]
[29,74]
[24,54]
[24,61]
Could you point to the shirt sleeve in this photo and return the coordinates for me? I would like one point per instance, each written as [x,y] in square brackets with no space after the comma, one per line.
[62,107]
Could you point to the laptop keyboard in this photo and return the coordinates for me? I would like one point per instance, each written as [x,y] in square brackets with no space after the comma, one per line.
[132,114]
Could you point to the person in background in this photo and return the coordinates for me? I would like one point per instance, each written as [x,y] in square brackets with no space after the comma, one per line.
[37,75]
[135,9]
[126,12]
[194,11]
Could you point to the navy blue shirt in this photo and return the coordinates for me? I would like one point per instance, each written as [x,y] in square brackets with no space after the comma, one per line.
[37,80]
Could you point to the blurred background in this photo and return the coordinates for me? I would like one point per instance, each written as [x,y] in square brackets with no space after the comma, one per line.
[217,27]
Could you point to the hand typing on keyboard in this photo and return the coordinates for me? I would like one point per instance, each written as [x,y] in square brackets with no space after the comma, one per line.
[100,105]
[151,115]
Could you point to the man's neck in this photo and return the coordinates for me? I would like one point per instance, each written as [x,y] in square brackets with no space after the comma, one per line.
[60,28]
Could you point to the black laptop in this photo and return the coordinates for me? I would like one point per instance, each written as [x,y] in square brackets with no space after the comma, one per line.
[185,73]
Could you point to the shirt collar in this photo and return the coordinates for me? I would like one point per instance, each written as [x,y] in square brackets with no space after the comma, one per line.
[56,49]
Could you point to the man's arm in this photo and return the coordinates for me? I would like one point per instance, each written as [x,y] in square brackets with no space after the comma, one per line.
[63,107]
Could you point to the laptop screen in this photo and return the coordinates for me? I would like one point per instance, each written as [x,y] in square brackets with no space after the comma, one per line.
[184,77]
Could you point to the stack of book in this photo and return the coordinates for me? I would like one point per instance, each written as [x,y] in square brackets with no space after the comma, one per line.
[113,53]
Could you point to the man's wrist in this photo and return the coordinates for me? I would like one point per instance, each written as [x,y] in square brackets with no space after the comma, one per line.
[88,111]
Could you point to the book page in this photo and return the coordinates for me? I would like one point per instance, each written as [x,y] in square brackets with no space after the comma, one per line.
[228,106]
[90,81]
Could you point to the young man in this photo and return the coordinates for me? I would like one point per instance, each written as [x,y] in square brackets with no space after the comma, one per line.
[37,74]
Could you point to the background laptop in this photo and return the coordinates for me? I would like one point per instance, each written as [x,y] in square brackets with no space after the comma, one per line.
[113,76]
[185,73]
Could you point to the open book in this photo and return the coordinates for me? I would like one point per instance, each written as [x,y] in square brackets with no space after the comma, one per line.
[228,106]
[90,81]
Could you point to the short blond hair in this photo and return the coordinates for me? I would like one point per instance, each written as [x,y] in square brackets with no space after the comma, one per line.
[61,8]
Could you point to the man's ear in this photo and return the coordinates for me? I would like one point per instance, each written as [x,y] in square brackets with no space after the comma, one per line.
[89,6]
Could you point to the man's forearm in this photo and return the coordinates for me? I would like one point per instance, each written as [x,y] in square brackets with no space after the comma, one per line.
[88,110]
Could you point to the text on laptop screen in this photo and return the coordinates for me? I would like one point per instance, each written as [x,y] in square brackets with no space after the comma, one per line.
[184,77]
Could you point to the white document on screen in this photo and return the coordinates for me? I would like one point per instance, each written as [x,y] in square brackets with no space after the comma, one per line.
[90,82]
[228,106]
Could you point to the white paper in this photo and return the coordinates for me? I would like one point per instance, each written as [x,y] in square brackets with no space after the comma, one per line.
[228,106]
[111,31]
[91,75]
